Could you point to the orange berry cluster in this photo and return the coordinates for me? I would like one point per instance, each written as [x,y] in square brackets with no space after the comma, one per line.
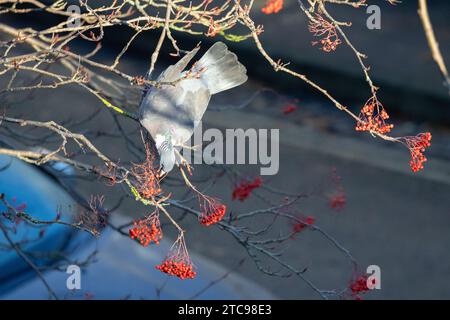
[417,146]
[179,269]
[146,232]
[329,45]
[148,186]
[217,213]
[320,27]
[273,6]
[372,118]
[147,178]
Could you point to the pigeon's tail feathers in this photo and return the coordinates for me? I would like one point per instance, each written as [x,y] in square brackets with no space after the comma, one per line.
[220,69]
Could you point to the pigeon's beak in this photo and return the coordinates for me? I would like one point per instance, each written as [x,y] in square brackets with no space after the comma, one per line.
[161,174]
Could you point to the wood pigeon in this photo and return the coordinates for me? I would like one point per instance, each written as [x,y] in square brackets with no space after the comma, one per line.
[172,112]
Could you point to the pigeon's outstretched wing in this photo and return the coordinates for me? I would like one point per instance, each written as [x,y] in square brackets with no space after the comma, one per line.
[172,73]
[177,110]
[172,109]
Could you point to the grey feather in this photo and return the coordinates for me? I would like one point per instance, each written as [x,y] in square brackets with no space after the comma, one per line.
[175,110]
[223,71]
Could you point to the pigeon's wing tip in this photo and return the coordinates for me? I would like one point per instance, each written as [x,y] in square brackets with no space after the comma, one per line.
[172,73]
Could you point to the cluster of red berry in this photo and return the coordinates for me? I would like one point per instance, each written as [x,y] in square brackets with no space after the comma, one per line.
[358,286]
[177,263]
[373,117]
[289,109]
[214,216]
[300,226]
[146,231]
[179,269]
[417,146]
[212,210]
[245,188]
[273,6]
[338,201]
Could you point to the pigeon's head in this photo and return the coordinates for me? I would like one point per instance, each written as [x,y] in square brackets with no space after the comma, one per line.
[167,161]
[166,153]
